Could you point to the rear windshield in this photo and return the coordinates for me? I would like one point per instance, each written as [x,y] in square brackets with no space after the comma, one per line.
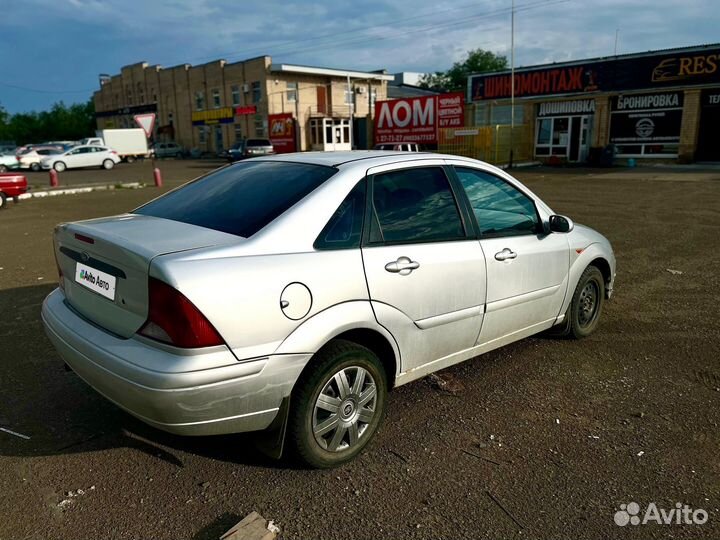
[242,198]
[258,142]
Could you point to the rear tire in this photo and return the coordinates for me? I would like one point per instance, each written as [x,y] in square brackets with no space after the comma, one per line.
[583,315]
[59,166]
[108,164]
[3,200]
[34,167]
[3,169]
[337,405]
[130,159]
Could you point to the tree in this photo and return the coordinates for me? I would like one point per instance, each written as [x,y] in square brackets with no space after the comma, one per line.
[455,78]
[61,122]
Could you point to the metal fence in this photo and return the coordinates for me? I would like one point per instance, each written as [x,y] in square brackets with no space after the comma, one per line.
[487,143]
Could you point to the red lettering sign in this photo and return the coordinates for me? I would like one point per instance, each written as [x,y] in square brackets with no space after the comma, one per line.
[248,109]
[418,119]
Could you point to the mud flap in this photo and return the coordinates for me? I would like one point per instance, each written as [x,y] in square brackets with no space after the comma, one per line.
[272,440]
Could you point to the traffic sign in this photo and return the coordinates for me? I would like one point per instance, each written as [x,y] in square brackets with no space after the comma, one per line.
[146,122]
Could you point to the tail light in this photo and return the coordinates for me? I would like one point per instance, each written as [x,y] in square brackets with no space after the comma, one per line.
[173,319]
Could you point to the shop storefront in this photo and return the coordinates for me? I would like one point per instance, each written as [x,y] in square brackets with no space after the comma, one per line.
[654,105]
[562,129]
[646,125]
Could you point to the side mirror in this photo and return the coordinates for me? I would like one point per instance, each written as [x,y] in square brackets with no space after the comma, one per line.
[560,224]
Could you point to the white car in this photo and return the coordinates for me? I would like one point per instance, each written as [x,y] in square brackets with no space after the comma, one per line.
[31,159]
[82,156]
[7,162]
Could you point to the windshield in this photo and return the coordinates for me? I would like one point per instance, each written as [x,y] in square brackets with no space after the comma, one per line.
[240,199]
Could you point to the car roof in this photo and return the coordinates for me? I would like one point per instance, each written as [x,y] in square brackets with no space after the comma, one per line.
[336,159]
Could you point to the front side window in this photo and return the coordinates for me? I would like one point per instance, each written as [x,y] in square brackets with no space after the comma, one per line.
[241,199]
[414,205]
[500,209]
[344,229]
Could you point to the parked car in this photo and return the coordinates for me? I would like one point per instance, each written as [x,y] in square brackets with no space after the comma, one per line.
[167,149]
[11,186]
[31,159]
[81,156]
[250,148]
[8,162]
[8,148]
[398,147]
[92,141]
[329,277]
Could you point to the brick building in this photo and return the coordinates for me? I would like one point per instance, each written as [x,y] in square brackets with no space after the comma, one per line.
[659,105]
[210,106]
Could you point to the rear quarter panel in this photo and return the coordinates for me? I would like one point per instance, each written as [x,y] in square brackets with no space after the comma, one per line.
[240,295]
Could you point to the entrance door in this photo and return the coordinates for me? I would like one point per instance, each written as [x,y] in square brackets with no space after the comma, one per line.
[580,128]
[708,148]
[218,139]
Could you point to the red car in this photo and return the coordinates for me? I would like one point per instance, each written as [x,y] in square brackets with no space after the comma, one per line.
[11,185]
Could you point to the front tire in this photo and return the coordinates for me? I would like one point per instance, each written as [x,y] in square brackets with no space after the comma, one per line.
[108,164]
[3,200]
[337,405]
[583,315]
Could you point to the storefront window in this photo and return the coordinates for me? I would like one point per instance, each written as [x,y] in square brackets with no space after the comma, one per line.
[646,125]
[560,131]
[501,115]
[544,131]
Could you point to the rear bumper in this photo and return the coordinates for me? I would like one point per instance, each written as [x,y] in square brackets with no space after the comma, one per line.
[183,398]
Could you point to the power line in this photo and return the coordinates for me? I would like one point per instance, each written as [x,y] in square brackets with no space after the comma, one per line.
[290,46]
[43,91]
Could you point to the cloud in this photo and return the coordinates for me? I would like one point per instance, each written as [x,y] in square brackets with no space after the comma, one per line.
[87,37]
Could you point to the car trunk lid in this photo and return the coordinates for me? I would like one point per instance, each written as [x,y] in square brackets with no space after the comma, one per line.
[105,264]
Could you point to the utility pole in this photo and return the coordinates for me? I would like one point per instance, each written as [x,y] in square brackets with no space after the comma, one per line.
[512,81]
[617,33]
[350,107]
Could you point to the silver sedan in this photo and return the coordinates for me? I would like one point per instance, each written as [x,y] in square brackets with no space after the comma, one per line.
[290,293]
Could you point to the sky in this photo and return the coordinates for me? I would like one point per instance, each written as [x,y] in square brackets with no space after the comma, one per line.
[53,50]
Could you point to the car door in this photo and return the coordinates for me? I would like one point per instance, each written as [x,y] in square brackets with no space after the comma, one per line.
[527,269]
[79,157]
[424,267]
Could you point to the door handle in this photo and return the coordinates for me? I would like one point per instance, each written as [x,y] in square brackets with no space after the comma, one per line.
[403,266]
[505,254]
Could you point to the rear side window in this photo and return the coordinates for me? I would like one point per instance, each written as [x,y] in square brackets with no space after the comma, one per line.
[344,229]
[414,205]
[500,208]
[240,199]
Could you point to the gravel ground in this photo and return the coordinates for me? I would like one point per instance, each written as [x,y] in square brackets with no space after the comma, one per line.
[543,439]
